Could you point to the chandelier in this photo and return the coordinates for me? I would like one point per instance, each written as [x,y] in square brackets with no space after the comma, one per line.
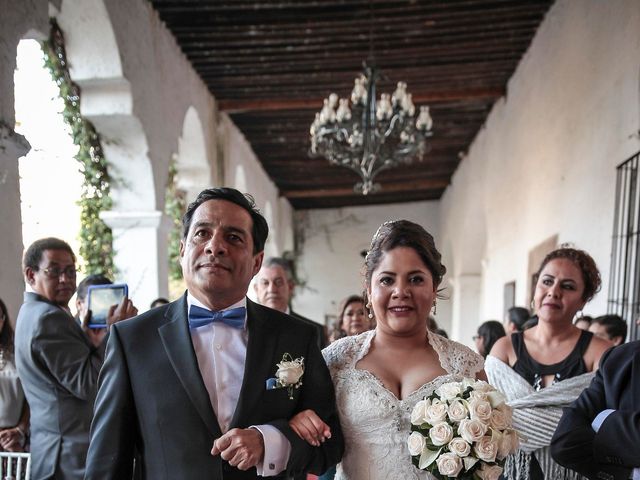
[368,136]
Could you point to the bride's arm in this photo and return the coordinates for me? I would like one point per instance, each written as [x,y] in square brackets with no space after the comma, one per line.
[310,427]
[482,375]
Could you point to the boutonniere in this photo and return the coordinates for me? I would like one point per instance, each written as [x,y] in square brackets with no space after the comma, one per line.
[288,375]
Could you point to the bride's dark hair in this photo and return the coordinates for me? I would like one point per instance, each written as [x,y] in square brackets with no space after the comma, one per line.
[403,233]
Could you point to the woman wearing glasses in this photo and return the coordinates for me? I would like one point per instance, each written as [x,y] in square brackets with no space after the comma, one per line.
[14,411]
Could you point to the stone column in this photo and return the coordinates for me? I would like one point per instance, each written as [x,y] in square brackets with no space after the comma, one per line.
[141,257]
[12,147]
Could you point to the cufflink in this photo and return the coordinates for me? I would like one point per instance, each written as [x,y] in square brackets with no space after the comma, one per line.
[272,466]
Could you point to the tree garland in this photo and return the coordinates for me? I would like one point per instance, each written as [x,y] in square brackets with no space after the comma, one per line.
[174,206]
[96,238]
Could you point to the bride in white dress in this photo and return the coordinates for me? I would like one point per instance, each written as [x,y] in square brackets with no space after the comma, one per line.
[380,375]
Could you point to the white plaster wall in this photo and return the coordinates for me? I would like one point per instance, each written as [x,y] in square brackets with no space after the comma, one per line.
[330,263]
[544,163]
[244,172]
[18,20]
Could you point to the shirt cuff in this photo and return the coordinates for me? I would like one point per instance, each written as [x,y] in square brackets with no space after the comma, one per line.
[635,475]
[600,418]
[277,450]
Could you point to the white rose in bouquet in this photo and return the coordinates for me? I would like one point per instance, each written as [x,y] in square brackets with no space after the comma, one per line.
[419,412]
[480,410]
[482,386]
[416,443]
[449,391]
[436,412]
[486,449]
[489,472]
[472,430]
[463,430]
[459,446]
[457,411]
[441,434]
[499,420]
[449,464]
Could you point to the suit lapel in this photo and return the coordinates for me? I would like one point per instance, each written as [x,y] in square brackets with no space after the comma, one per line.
[261,346]
[177,343]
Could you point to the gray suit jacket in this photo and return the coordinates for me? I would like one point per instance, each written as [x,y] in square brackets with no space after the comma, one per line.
[152,398]
[59,369]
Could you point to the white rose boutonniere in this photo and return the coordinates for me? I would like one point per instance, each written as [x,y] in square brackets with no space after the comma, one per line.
[289,374]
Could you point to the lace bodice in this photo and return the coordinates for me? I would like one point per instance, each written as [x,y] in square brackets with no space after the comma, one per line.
[375,423]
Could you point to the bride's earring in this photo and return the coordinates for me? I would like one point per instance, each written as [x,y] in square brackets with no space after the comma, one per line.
[370,315]
[435,307]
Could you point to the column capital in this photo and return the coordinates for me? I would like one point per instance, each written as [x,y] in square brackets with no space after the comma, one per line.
[119,219]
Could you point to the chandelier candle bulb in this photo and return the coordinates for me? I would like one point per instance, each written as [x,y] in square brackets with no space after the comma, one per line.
[369,136]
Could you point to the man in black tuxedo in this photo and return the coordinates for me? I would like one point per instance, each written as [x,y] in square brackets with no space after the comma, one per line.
[189,385]
[274,286]
[599,434]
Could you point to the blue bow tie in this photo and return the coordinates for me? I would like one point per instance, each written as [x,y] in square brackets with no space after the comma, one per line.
[199,317]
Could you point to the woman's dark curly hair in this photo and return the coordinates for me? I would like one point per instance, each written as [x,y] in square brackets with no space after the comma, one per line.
[403,233]
[586,264]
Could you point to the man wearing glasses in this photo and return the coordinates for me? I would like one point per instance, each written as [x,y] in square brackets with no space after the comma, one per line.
[58,361]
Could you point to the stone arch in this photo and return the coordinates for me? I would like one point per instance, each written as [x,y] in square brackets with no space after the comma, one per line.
[193,166]
[107,101]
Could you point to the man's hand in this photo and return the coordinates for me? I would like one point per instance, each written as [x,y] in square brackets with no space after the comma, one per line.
[125,309]
[95,335]
[243,448]
[12,439]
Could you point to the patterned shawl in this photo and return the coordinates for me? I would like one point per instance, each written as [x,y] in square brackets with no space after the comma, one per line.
[535,416]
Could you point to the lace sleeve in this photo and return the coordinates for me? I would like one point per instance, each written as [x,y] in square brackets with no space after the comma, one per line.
[457,358]
[339,354]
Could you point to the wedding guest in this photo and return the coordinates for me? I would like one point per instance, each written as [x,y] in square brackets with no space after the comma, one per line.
[14,410]
[381,374]
[488,334]
[352,316]
[609,327]
[274,286]
[598,435]
[548,365]
[583,322]
[158,302]
[58,360]
[515,319]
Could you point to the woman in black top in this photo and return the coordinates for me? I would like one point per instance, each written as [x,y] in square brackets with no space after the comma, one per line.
[555,349]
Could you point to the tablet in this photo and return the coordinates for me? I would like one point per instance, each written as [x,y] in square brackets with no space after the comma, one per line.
[100,298]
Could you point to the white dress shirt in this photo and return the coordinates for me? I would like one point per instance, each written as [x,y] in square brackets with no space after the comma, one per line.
[221,351]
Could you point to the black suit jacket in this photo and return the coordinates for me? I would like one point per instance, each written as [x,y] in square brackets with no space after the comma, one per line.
[611,453]
[152,398]
[322,336]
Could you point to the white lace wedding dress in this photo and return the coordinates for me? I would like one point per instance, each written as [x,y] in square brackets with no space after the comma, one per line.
[374,422]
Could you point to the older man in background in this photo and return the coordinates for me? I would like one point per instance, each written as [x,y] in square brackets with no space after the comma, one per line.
[274,287]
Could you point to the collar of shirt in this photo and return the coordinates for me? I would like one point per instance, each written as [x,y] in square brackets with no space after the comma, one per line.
[191,300]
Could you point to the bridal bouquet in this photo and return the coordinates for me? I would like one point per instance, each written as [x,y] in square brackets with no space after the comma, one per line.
[463,430]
